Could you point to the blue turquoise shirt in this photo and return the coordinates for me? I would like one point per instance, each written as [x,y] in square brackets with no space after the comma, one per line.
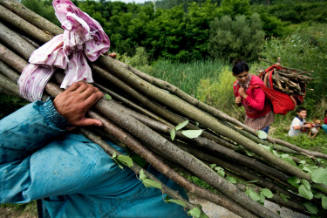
[73,176]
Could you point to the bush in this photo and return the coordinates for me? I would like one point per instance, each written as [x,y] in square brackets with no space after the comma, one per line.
[43,8]
[305,49]
[241,38]
[140,60]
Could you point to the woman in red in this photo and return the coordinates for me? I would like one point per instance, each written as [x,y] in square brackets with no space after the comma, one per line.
[248,93]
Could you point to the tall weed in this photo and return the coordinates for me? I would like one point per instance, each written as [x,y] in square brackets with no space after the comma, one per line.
[186,76]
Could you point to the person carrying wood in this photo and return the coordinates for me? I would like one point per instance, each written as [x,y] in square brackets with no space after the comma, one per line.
[248,93]
[74,177]
[298,123]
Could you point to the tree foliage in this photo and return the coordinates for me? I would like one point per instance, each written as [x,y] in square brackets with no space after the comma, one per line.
[241,38]
[180,30]
[43,8]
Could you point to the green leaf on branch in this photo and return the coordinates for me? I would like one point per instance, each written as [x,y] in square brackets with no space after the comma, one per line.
[175,201]
[267,147]
[262,134]
[173,134]
[142,176]
[318,195]
[306,184]
[126,160]
[249,153]
[192,134]
[288,158]
[307,169]
[266,192]
[324,202]
[181,125]
[304,192]
[294,181]
[231,179]
[302,162]
[252,194]
[149,183]
[275,153]
[114,158]
[284,197]
[262,199]
[195,212]
[310,208]
[107,97]
[319,175]
[203,215]
[220,171]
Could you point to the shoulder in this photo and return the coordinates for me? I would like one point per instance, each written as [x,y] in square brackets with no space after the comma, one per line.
[296,121]
[255,80]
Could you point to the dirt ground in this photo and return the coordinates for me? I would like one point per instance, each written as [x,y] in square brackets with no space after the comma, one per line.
[215,211]
[212,210]
[13,213]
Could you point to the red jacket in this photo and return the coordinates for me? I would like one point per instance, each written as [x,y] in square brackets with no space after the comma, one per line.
[256,104]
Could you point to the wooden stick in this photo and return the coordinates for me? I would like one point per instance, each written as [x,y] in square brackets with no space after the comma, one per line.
[23,25]
[31,16]
[21,46]
[198,115]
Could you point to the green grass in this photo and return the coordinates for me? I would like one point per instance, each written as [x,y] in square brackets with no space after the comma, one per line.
[280,128]
[186,76]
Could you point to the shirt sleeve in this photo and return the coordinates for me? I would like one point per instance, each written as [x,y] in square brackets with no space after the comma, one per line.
[22,133]
[37,160]
[256,100]
[29,129]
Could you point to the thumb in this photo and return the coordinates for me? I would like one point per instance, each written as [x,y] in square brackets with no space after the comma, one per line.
[89,122]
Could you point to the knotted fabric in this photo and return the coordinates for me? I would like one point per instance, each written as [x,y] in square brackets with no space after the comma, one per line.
[83,39]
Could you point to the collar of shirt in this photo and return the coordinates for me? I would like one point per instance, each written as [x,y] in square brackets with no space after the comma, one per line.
[245,85]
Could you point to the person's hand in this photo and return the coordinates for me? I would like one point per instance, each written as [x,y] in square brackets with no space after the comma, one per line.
[238,100]
[241,92]
[113,55]
[308,125]
[74,102]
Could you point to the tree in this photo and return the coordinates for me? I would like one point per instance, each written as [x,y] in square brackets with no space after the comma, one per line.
[241,38]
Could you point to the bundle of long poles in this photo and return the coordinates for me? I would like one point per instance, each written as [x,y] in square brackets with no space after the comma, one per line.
[145,114]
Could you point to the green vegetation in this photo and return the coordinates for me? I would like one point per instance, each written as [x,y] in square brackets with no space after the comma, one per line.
[240,38]
[8,104]
[191,44]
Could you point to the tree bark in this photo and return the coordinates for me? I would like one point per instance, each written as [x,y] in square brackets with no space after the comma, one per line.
[23,25]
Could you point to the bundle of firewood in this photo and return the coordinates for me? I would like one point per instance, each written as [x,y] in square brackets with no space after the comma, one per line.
[290,81]
[178,135]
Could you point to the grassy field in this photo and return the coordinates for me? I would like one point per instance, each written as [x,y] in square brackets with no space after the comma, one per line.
[205,78]
[187,75]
